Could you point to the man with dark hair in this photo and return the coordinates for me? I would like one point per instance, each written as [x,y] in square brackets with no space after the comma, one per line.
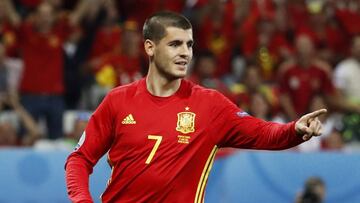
[155,27]
[162,132]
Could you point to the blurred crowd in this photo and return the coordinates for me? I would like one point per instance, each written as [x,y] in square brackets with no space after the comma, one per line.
[275,59]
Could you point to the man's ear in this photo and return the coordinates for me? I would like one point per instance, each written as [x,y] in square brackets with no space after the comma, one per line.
[149,47]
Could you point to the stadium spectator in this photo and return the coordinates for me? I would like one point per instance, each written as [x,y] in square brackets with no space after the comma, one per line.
[252,82]
[260,108]
[326,34]
[347,72]
[314,191]
[306,76]
[121,66]
[42,81]
[42,84]
[204,73]
[302,78]
[124,59]
[266,46]
[346,77]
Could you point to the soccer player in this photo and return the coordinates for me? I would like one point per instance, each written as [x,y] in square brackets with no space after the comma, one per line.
[162,132]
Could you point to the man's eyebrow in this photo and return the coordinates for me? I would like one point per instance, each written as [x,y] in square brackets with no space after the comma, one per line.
[176,41]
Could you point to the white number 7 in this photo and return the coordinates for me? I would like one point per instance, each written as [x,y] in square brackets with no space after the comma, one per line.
[156,146]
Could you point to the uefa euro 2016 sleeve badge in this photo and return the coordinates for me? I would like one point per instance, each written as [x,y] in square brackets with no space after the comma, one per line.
[186,122]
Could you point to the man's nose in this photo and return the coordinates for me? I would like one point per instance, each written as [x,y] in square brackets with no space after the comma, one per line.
[185,51]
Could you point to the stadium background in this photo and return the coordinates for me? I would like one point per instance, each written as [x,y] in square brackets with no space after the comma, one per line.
[243,48]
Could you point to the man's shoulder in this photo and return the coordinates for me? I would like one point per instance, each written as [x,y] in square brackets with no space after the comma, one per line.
[127,89]
[210,97]
[198,90]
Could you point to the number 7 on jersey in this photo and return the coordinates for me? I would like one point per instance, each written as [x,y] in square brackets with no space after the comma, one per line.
[156,146]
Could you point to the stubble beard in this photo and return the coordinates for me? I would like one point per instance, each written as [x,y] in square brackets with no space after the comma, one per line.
[168,74]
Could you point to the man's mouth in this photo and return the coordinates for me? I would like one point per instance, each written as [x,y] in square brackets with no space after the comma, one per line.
[182,63]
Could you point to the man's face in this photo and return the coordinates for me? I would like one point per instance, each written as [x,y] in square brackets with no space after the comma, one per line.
[173,53]
[304,46]
[252,78]
[45,15]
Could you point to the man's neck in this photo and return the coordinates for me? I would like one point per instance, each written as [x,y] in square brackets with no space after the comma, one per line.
[305,63]
[44,29]
[161,86]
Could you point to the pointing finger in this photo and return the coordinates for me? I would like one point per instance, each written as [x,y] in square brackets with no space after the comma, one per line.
[315,114]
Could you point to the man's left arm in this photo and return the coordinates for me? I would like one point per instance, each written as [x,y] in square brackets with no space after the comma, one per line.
[235,128]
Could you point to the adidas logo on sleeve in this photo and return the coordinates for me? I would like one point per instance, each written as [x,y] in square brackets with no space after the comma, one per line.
[129,119]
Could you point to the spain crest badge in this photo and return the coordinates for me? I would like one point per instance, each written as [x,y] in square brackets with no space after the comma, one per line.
[186,122]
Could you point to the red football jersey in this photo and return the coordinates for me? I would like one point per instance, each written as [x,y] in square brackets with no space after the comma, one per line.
[161,149]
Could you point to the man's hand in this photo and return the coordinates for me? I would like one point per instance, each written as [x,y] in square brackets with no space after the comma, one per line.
[309,125]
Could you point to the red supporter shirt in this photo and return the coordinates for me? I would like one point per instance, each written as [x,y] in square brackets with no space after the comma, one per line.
[43,59]
[106,41]
[161,149]
[349,20]
[301,84]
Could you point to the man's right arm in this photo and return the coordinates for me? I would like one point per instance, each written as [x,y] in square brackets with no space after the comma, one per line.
[94,143]
[77,178]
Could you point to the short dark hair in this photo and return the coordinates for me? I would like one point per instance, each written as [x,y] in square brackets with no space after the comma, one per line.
[155,26]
